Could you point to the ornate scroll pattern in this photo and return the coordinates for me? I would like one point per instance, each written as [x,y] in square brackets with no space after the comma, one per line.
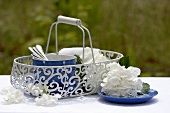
[69,81]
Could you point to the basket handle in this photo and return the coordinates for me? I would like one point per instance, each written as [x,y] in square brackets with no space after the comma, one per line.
[70,21]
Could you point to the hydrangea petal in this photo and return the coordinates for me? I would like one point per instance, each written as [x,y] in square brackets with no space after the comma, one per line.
[47,100]
[120,81]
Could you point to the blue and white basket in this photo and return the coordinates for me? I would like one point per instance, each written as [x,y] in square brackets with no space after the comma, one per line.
[67,80]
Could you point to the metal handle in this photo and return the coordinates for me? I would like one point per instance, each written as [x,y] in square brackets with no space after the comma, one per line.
[71,21]
[68,20]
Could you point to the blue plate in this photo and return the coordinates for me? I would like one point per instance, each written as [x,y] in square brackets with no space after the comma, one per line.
[132,100]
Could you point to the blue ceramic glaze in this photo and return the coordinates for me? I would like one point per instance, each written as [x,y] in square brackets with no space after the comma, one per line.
[56,60]
[131,100]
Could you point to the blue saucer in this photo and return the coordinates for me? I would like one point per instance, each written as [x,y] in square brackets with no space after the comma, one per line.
[132,100]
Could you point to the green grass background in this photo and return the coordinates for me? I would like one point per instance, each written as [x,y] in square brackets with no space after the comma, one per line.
[137,28]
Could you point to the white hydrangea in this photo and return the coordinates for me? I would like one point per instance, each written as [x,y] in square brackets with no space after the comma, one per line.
[12,95]
[87,54]
[97,56]
[47,100]
[121,81]
[35,89]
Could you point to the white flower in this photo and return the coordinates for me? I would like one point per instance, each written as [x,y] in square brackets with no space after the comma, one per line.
[47,100]
[7,89]
[12,95]
[87,54]
[139,84]
[35,89]
[120,81]
[97,56]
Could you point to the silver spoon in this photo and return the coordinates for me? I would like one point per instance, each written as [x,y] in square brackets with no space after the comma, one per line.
[39,48]
[35,57]
[33,52]
[38,52]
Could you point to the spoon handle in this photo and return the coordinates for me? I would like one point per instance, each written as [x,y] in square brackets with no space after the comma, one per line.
[38,52]
[39,48]
[35,57]
[34,53]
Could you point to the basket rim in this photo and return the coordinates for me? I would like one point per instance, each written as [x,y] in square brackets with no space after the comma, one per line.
[119,55]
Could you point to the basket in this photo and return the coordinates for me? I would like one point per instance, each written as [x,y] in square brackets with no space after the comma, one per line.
[67,80]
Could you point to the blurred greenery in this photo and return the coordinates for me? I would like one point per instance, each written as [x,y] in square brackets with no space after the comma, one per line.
[137,28]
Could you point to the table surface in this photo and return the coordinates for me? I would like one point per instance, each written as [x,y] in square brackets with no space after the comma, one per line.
[94,104]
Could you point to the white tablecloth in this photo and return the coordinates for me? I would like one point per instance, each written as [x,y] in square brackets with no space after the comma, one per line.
[94,104]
